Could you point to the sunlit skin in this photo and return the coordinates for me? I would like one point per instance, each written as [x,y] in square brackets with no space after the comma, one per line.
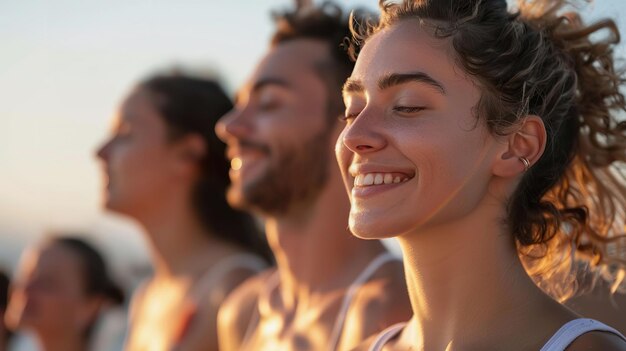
[150,178]
[281,108]
[133,157]
[49,298]
[410,113]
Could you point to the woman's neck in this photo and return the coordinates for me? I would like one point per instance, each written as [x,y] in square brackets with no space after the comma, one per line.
[466,282]
[56,341]
[178,241]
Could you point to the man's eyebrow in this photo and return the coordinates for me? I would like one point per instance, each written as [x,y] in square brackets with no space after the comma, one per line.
[400,78]
[262,83]
[353,86]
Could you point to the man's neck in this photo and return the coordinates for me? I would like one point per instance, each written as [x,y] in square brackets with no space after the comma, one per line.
[317,253]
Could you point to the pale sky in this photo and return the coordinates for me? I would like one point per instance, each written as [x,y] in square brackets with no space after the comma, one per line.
[64,67]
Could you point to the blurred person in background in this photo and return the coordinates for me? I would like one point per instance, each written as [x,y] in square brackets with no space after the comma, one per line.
[5,333]
[60,292]
[166,168]
[330,290]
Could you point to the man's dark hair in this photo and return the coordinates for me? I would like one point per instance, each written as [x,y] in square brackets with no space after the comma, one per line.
[328,23]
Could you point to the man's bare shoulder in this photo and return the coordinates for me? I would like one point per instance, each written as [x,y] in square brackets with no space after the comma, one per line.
[237,310]
[385,296]
[229,283]
[244,297]
[381,302]
[366,344]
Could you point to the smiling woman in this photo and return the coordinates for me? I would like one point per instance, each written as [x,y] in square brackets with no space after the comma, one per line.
[474,135]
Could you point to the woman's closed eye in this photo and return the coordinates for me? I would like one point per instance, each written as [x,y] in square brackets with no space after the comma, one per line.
[408,109]
[268,105]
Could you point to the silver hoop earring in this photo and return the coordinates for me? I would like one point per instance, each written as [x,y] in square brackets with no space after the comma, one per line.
[525,162]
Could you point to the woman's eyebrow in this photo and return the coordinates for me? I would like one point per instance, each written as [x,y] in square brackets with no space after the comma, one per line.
[353,85]
[394,79]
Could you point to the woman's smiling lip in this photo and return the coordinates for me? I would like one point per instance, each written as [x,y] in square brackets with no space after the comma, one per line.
[369,179]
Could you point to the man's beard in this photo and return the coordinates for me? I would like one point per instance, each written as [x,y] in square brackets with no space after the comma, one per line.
[294,178]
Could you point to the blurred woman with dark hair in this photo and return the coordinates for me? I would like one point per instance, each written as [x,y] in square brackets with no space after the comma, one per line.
[61,288]
[167,169]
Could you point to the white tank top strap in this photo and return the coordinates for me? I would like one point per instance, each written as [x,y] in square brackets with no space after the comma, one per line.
[365,275]
[226,265]
[572,330]
[385,336]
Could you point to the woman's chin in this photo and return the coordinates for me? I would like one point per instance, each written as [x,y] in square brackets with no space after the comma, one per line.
[365,229]
[373,225]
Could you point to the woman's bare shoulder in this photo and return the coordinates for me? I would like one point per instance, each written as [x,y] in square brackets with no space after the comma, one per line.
[598,340]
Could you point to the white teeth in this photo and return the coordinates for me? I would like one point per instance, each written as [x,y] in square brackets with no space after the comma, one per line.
[358,181]
[378,179]
[368,180]
[388,178]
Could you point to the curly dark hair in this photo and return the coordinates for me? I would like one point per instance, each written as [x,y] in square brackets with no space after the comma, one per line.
[542,60]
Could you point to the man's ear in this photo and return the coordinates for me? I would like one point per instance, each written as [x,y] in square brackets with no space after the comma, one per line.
[525,147]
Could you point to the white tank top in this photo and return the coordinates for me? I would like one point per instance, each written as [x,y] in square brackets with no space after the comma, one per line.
[563,338]
[335,336]
[572,330]
[222,268]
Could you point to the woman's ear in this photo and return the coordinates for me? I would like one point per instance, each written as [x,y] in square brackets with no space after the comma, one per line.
[89,312]
[193,147]
[189,150]
[524,148]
